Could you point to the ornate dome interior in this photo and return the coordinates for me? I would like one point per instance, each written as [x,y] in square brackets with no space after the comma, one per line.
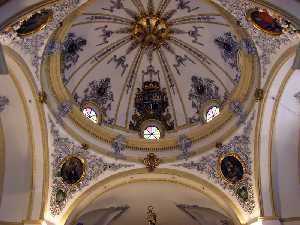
[158,112]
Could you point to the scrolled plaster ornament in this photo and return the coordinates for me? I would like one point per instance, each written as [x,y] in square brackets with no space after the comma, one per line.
[95,166]
[208,165]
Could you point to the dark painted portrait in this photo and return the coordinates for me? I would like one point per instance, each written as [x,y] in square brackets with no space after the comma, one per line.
[264,21]
[72,170]
[34,23]
[232,169]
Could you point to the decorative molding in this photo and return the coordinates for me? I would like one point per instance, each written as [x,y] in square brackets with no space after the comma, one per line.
[151,161]
[4,101]
[95,167]
[208,165]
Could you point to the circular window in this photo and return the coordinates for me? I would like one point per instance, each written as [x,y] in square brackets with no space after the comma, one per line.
[212,112]
[152,133]
[90,114]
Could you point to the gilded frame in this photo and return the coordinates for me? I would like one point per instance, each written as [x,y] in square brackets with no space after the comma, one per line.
[39,28]
[84,164]
[236,156]
[249,18]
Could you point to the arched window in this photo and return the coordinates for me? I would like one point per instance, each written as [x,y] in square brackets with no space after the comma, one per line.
[90,114]
[212,112]
[152,133]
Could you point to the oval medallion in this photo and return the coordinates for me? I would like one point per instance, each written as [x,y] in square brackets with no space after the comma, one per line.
[60,195]
[262,20]
[35,23]
[231,168]
[242,193]
[72,170]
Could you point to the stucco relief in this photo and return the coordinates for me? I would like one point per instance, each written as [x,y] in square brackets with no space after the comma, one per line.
[208,165]
[95,166]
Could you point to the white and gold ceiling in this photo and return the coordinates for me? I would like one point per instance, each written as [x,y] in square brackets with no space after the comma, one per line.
[141,63]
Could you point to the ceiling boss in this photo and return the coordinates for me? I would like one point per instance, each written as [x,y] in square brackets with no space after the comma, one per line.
[150,31]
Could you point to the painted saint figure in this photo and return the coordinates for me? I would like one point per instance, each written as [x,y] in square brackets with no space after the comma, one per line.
[232,169]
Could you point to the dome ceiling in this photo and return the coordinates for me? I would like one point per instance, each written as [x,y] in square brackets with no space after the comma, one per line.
[167,61]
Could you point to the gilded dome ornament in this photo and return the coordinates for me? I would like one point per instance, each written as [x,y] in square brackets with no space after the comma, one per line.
[151,162]
[150,31]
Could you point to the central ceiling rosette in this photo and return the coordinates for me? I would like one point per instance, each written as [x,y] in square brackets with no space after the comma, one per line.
[169,64]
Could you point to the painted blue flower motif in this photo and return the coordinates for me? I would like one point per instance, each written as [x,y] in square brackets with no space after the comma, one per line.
[229,49]
[71,47]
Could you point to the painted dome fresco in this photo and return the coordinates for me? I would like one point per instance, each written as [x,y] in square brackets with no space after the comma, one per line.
[154,70]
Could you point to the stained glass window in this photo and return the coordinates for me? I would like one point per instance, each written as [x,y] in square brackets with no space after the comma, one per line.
[212,113]
[90,114]
[151,133]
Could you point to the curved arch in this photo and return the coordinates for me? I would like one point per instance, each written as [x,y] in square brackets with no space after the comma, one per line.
[166,175]
[263,172]
[24,82]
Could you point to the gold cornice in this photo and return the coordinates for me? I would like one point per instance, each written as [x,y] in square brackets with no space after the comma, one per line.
[42,120]
[142,175]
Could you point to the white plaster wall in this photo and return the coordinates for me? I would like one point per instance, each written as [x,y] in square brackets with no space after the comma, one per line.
[17,173]
[285,164]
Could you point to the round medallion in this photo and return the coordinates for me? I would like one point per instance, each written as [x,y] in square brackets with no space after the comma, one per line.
[35,23]
[72,170]
[262,20]
[232,168]
[150,31]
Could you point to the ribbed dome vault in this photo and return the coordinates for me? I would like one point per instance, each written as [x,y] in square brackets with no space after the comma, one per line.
[153,63]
